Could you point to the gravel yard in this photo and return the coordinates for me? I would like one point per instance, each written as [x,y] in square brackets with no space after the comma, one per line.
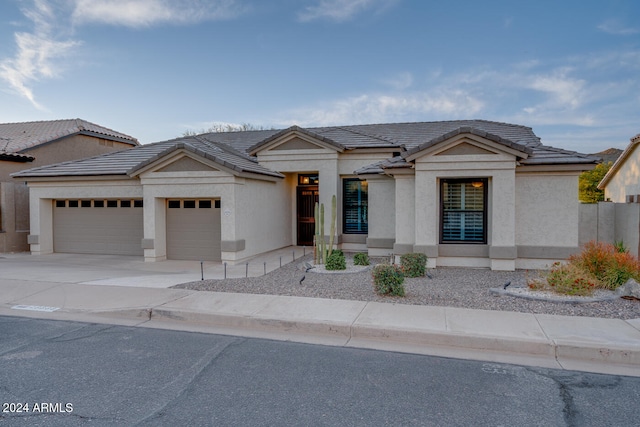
[453,287]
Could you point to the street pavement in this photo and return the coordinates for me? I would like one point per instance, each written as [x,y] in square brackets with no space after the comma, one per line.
[128,291]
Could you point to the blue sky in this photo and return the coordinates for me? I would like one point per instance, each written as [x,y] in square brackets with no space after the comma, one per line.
[155,68]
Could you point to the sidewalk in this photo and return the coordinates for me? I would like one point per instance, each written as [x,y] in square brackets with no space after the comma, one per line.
[574,343]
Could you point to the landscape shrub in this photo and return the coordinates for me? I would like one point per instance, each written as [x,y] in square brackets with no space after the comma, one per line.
[361,259]
[388,280]
[598,266]
[336,261]
[609,264]
[569,279]
[413,265]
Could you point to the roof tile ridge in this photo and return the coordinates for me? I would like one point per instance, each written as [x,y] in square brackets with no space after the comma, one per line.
[225,148]
[81,123]
[370,135]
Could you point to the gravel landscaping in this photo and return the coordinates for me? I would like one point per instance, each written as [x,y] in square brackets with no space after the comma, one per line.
[452,287]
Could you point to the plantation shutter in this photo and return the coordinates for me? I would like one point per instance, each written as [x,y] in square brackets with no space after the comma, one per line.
[355,205]
[463,210]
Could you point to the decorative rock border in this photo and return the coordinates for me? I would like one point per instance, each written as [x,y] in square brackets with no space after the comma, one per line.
[526,293]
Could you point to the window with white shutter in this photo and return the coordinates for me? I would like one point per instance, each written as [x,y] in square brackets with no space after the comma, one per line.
[464,210]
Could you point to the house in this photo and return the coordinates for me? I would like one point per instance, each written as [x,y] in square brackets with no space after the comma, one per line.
[34,144]
[621,184]
[467,193]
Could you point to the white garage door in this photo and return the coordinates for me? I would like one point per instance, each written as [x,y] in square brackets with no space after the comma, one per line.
[110,227]
[193,229]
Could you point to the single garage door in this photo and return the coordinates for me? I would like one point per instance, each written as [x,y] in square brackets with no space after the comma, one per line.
[193,229]
[109,227]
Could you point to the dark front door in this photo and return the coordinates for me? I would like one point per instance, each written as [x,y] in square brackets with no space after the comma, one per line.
[306,201]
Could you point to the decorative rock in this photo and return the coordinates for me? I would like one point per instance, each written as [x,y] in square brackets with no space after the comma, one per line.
[630,289]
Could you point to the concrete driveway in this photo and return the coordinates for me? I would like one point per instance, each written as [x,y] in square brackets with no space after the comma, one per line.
[117,270]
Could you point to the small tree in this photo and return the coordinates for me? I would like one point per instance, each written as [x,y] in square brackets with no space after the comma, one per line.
[588,191]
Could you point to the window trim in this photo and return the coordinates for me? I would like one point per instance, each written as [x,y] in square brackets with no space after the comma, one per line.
[345,181]
[485,192]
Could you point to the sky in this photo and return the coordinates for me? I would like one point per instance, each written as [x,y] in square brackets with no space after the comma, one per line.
[154,69]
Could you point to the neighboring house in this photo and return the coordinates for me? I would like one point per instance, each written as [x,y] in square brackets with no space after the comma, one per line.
[466,193]
[33,144]
[622,183]
[608,155]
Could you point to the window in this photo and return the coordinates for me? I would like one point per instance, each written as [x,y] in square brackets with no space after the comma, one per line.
[464,210]
[308,179]
[355,212]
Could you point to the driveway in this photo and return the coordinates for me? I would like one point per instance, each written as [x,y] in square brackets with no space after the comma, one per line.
[118,270]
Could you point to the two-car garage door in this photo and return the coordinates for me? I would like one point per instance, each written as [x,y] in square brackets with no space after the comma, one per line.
[110,227]
[116,227]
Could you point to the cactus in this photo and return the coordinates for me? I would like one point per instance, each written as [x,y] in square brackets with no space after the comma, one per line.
[333,224]
[320,250]
[323,244]
[316,235]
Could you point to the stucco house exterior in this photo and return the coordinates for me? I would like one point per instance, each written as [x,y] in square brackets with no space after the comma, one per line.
[33,144]
[622,183]
[467,193]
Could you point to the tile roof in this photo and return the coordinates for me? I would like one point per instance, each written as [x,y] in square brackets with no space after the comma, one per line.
[635,141]
[234,149]
[18,137]
[128,162]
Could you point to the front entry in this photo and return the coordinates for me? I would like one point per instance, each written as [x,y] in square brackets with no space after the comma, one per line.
[307,197]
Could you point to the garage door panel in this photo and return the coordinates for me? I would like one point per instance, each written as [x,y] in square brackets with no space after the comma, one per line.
[193,233]
[95,230]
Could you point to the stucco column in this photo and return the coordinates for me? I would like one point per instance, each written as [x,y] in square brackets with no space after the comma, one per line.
[154,242]
[405,213]
[382,215]
[502,226]
[41,218]
[427,215]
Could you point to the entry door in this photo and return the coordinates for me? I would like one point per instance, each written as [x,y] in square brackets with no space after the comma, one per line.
[306,201]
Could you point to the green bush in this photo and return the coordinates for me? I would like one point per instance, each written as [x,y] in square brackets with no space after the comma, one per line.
[361,259]
[388,280]
[413,265]
[336,261]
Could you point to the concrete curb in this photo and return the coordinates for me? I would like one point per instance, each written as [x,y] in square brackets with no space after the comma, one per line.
[563,354]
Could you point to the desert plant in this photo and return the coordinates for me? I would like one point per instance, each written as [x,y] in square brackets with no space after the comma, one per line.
[571,280]
[623,267]
[361,259]
[619,246]
[388,280]
[414,264]
[321,251]
[599,265]
[336,261]
[333,224]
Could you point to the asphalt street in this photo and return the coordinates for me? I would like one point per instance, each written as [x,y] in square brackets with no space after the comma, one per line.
[71,373]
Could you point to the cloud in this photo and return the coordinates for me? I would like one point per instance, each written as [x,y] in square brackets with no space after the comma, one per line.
[612,26]
[341,10]
[563,91]
[400,81]
[378,108]
[144,13]
[37,53]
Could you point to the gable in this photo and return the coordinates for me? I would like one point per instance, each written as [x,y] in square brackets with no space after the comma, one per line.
[467,146]
[296,144]
[463,149]
[185,164]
